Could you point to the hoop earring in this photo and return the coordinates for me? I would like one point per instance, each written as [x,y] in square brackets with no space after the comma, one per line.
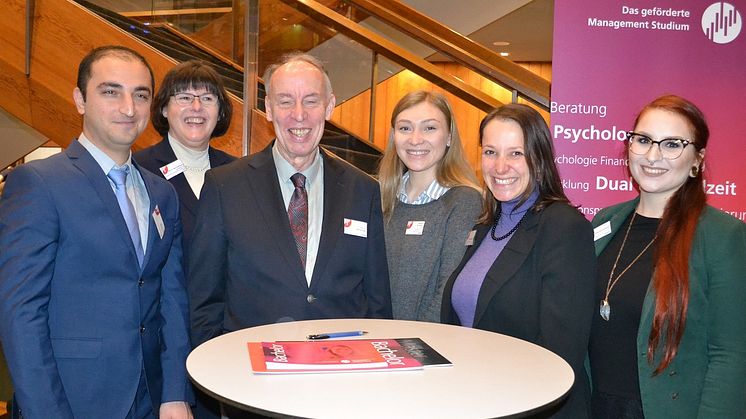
[694,172]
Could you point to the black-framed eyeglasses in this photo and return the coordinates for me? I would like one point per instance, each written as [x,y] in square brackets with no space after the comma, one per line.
[186,99]
[670,148]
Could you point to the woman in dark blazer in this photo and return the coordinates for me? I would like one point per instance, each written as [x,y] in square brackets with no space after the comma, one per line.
[669,339]
[530,270]
[190,108]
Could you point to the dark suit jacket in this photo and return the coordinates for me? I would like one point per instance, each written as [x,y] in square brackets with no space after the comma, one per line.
[161,154]
[707,378]
[80,319]
[244,268]
[540,289]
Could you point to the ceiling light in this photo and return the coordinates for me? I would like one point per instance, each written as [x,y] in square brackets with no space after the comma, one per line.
[501,43]
[504,54]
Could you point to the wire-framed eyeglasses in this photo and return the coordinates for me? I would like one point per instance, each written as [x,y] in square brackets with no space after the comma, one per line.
[186,99]
[670,148]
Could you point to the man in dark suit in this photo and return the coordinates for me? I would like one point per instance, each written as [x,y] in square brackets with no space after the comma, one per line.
[270,249]
[94,308]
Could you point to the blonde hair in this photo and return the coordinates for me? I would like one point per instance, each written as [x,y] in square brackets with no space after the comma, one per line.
[453,169]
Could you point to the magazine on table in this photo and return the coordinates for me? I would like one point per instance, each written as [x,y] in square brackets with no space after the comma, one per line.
[358,355]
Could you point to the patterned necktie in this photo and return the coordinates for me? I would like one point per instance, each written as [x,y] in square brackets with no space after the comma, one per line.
[119,177]
[298,215]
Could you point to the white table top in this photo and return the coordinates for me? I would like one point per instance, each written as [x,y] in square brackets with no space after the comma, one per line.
[492,375]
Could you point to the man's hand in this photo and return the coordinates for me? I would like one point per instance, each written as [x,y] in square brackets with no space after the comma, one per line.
[175,410]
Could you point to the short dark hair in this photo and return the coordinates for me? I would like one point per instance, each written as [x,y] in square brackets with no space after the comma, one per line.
[84,68]
[539,151]
[194,74]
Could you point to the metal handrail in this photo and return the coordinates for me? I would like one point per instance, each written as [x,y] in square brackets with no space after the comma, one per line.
[395,53]
[462,49]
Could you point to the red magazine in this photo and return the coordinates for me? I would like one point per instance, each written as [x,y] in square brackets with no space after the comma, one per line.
[338,356]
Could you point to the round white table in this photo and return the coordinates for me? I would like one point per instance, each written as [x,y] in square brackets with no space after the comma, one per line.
[492,375]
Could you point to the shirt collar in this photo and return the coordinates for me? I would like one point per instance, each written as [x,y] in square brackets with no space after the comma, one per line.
[104,161]
[285,170]
[432,193]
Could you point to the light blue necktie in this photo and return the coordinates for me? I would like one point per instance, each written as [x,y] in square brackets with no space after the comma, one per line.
[119,177]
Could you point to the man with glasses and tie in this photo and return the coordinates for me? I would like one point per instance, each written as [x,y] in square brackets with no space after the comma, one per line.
[292,232]
[94,306]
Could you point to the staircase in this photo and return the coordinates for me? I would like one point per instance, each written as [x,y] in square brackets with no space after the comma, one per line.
[345,145]
[44,97]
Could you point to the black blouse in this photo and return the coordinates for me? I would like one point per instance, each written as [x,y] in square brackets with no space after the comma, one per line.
[613,343]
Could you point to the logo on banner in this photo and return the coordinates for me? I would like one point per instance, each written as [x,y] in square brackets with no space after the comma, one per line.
[721,22]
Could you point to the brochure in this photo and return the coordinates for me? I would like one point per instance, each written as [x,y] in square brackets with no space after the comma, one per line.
[323,356]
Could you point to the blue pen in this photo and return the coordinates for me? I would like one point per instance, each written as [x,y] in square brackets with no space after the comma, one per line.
[331,335]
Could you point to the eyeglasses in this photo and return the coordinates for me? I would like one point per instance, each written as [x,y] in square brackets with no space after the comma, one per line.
[186,99]
[670,148]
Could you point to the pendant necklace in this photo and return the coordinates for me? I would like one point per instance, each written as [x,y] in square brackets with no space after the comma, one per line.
[605,308]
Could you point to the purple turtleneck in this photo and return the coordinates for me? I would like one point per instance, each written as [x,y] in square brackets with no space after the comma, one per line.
[469,281]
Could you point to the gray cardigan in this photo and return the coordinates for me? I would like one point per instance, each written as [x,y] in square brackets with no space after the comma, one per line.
[419,265]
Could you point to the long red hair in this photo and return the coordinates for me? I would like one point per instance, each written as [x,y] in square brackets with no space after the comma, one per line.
[675,236]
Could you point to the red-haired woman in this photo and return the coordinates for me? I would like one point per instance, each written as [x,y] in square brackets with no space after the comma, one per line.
[670,336]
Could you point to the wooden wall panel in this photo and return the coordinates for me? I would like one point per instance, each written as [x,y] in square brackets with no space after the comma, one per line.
[15,87]
[13,82]
[353,114]
[262,132]
[44,101]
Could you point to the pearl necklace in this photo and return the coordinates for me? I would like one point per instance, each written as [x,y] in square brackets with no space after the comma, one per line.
[512,230]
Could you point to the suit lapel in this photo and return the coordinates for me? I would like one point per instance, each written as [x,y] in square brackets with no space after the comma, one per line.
[83,160]
[163,155]
[153,198]
[616,220]
[508,262]
[217,159]
[481,232]
[262,180]
[331,226]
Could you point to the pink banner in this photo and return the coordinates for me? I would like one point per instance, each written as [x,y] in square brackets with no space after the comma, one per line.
[613,57]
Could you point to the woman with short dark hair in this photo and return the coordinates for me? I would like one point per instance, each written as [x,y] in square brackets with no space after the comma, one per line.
[190,108]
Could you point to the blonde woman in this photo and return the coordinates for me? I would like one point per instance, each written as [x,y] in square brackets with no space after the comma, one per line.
[431,201]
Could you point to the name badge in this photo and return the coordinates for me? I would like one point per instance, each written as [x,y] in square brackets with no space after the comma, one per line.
[602,231]
[470,238]
[172,169]
[414,228]
[159,221]
[355,228]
